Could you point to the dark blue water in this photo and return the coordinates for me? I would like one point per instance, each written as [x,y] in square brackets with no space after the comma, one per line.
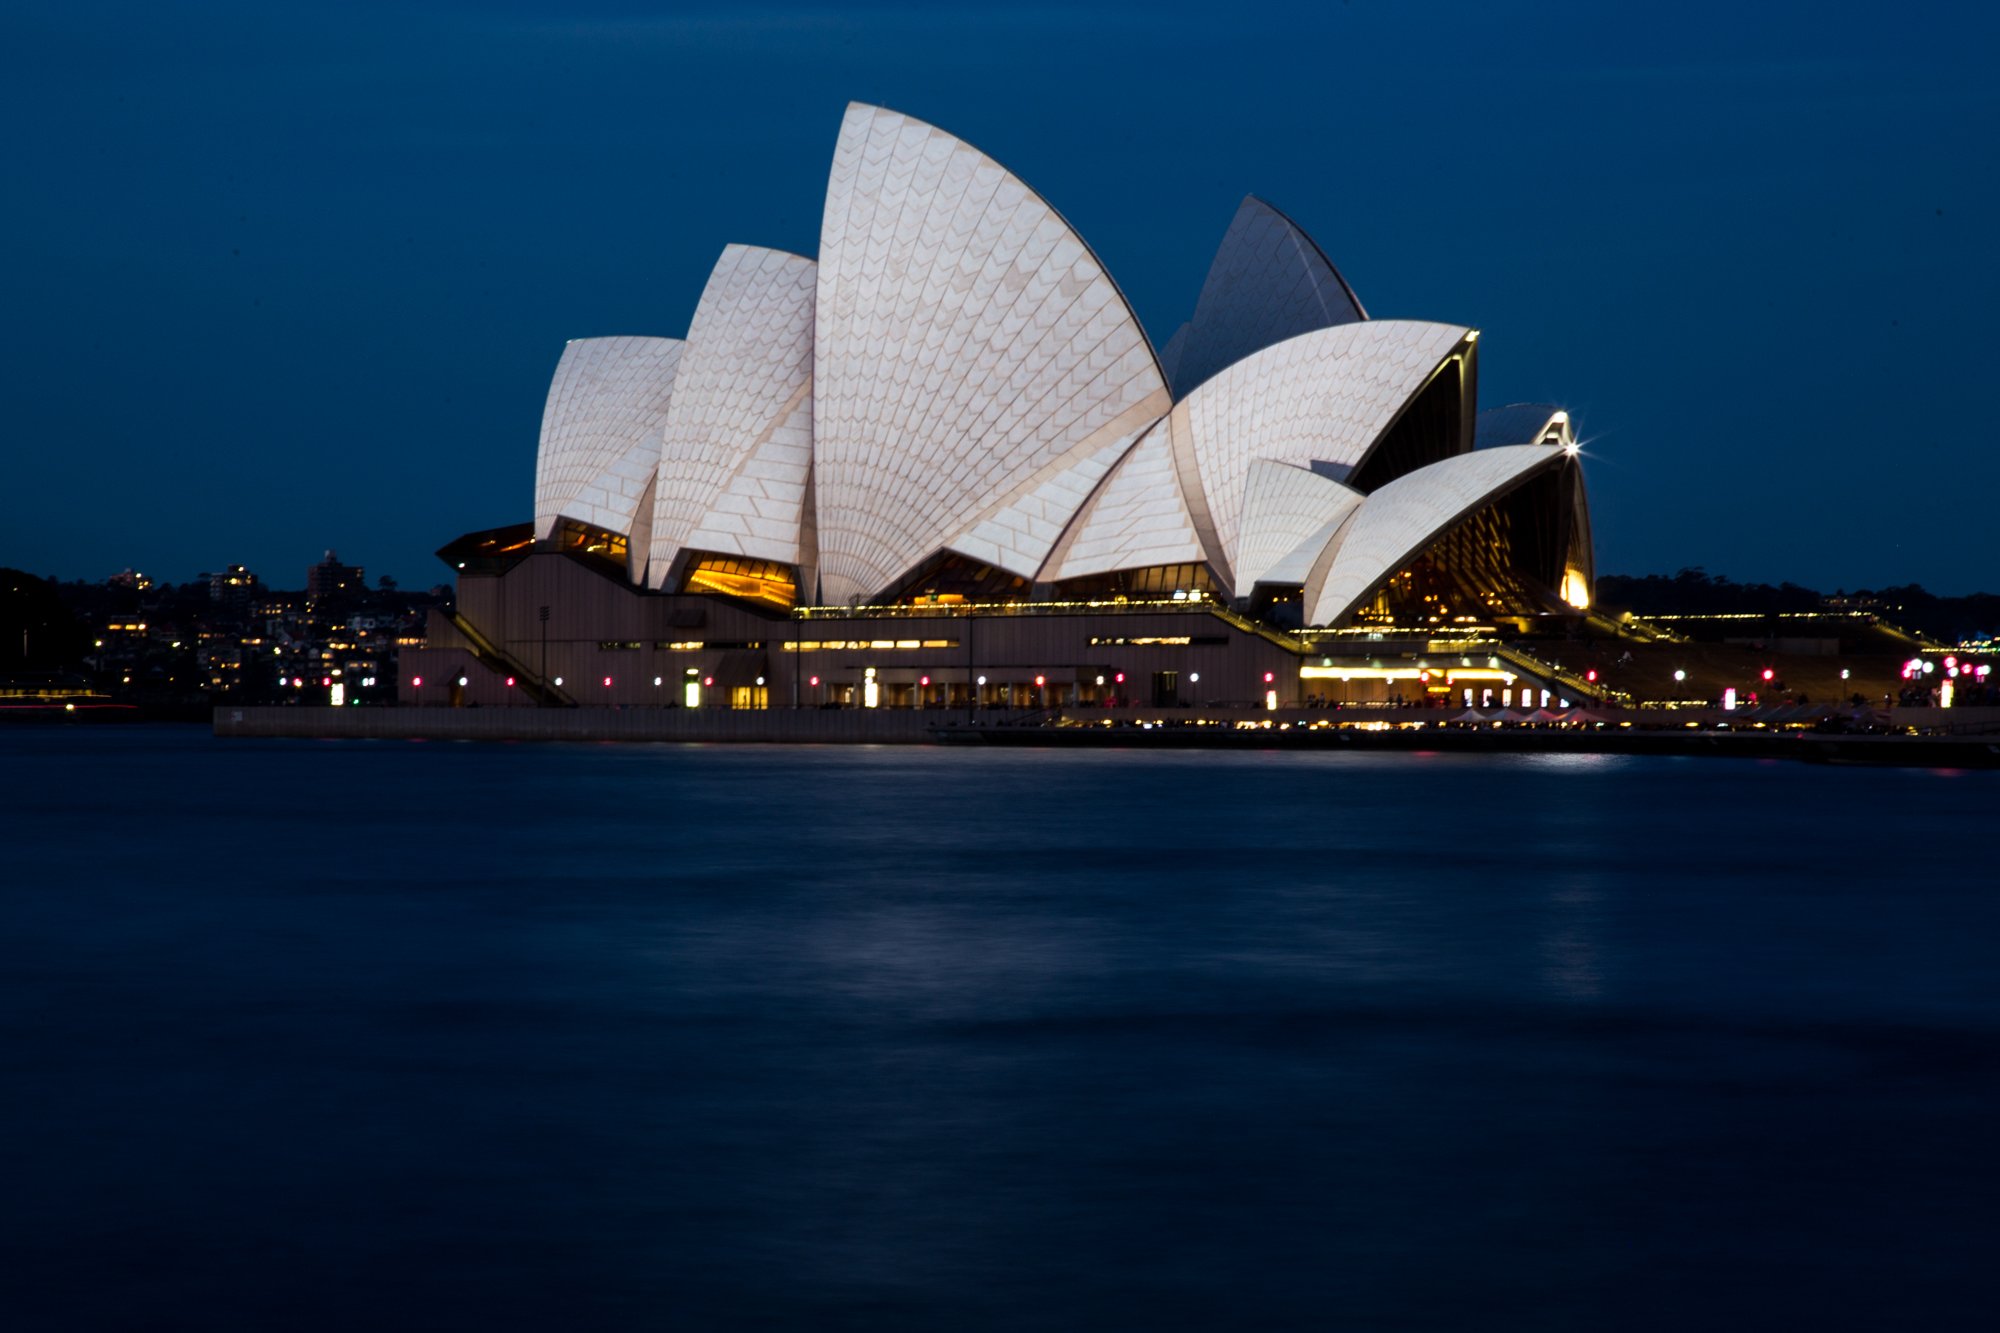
[435,1036]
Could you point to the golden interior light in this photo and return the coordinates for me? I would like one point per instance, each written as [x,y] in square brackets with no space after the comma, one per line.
[751,580]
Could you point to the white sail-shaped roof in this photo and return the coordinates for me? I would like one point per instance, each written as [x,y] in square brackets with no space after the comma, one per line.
[601,431]
[1396,522]
[1322,397]
[1297,564]
[737,446]
[966,340]
[1268,282]
[1138,517]
[1283,507]
[1021,530]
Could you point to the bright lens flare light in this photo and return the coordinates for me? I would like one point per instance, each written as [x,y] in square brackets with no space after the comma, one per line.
[1576,589]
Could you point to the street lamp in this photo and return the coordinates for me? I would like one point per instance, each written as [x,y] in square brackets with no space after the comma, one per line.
[543,614]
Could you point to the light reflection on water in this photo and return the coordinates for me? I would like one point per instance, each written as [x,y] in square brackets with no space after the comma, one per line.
[338,1035]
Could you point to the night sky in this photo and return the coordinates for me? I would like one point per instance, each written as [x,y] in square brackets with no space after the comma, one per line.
[288,277]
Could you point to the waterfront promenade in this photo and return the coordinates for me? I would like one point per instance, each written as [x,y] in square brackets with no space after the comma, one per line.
[1927,736]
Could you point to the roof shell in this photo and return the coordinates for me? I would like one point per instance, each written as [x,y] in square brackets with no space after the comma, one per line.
[1395,523]
[737,447]
[1284,508]
[1021,530]
[1322,397]
[966,339]
[1268,282]
[601,429]
[1138,517]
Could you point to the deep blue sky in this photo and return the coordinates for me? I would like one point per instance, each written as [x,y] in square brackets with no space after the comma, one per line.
[284,277]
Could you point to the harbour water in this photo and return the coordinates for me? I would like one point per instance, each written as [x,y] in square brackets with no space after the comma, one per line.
[336,1035]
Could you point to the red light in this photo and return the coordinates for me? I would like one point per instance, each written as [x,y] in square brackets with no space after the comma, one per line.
[607,682]
[1590,674]
[1120,678]
[815,682]
[1040,681]
[706,680]
[416,682]
[510,682]
[924,681]
[1768,673]
[326,680]
[1268,678]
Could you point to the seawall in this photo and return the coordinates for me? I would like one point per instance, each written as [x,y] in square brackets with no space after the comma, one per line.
[1140,728]
[783,726]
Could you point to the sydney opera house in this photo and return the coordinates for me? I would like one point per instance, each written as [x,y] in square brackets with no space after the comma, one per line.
[942,465]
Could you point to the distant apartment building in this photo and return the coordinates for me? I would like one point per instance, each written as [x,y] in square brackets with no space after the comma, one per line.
[330,578]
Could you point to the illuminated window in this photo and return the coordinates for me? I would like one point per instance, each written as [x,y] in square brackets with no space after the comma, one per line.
[861,645]
[493,551]
[582,539]
[951,579]
[1161,581]
[751,580]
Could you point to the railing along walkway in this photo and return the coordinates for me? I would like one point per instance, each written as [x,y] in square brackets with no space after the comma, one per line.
[495,658]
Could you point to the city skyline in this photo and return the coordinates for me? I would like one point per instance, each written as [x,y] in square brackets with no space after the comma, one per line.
[292,282]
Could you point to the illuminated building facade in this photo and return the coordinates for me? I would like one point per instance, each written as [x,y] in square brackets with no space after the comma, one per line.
[942,464]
